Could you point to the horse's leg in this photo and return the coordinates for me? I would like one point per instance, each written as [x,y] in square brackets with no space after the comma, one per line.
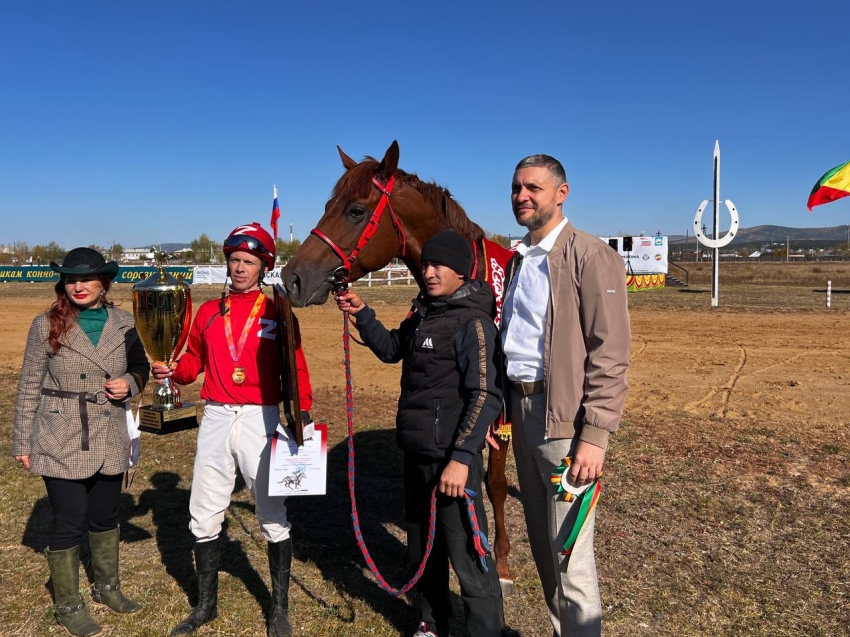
[497,491]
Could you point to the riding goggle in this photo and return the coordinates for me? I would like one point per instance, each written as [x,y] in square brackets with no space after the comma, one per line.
[246,241]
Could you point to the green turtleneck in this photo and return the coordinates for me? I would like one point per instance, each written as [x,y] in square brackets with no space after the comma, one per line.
[91,321]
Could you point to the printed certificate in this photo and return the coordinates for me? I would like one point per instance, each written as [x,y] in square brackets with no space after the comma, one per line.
[298,470]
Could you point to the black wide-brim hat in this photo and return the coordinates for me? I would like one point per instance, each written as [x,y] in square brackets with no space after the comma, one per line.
[86,261]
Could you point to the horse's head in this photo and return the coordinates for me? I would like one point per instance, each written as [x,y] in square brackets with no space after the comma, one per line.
[349,240]
[376,212]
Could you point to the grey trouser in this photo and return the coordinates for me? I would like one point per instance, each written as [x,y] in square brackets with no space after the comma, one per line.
[569,584]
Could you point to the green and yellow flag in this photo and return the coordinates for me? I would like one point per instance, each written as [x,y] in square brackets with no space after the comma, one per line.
[835,184]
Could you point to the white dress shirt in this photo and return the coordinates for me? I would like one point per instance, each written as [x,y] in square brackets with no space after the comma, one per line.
[525,309]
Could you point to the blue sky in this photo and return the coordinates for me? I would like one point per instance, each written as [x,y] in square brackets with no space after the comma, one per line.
[158,121]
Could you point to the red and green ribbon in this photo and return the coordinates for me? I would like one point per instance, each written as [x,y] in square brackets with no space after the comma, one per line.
[585,501]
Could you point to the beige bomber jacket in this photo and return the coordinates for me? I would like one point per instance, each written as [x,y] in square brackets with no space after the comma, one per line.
[586,349]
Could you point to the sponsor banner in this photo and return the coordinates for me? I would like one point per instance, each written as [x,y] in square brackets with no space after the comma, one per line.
[641,282]
[215,274]
[27,273]
[209,274]
[272,276]
[647,256]
[134,274]
[126,274]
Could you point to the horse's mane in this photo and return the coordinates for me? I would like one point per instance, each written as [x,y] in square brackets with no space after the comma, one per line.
[357,183]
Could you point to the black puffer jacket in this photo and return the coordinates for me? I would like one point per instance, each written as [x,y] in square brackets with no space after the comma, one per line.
[449,392]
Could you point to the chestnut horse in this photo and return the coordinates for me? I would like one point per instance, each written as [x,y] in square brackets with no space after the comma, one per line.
[378,212]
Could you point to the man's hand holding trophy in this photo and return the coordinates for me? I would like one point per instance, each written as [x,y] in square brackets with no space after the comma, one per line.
[162,308]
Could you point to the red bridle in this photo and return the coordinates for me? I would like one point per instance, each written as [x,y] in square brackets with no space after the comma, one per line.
[341,274]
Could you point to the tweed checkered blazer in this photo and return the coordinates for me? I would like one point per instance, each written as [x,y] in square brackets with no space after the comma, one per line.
[47,428]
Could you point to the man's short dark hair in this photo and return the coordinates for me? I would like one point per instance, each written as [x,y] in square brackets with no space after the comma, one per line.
[549,163]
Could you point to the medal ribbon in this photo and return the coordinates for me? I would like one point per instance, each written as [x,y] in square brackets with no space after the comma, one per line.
[236,350]
[585,501]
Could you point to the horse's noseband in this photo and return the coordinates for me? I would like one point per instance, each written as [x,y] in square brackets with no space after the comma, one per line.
[340,275]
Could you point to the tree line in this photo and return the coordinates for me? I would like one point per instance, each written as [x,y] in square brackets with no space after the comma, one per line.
[203,251]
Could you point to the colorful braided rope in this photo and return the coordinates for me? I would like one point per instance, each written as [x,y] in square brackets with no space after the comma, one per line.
[482,546]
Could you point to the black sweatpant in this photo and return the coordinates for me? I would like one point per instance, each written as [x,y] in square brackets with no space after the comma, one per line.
[480,591]
[84,505]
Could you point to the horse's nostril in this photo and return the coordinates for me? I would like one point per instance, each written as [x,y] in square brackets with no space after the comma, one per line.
[293,284]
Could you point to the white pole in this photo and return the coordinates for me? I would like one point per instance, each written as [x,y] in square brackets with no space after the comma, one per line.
[370,279]
[389,277]
[715,266]
[828,294]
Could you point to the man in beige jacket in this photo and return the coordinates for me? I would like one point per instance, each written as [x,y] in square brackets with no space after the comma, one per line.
[565,337]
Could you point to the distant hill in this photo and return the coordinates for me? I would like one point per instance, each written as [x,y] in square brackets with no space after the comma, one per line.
[770,234]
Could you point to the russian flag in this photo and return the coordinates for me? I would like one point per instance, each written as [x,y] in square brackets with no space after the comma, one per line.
[275,213]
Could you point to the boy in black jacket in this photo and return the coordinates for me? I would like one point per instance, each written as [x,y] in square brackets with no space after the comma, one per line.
[449,397]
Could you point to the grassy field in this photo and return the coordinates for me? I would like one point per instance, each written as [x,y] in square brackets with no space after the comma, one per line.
[808,273]
[724,510]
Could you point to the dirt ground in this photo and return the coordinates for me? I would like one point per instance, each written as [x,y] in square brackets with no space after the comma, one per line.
[724,506]
[747,367]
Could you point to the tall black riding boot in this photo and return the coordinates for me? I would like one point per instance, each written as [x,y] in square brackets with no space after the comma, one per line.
[206,563]
[280,561]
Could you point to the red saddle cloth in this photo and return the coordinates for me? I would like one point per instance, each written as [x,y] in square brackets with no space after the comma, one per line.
[494,259]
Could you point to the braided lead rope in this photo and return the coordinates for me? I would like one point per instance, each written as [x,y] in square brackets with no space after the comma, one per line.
[482,546]
[355,518]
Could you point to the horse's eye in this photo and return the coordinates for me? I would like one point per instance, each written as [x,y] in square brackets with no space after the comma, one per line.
[356,211]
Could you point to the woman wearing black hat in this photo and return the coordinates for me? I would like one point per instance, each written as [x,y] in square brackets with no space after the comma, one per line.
[83,360]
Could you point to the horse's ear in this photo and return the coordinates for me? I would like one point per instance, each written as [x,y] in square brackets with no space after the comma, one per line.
[389,164]
[347,162]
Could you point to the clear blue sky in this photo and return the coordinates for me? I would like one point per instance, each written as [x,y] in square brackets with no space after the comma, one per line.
[158,121]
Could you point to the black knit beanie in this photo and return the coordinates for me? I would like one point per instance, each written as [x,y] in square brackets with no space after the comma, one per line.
[450,249]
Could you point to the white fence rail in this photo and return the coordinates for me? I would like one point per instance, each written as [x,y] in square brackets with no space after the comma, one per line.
[387,276]
[394,275]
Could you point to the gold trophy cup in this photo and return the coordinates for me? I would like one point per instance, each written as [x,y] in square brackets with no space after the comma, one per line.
[162,307]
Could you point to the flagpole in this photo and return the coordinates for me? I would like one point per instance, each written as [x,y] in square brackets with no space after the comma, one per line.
[275,211]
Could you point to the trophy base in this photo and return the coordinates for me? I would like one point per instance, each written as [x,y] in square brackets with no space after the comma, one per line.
[167,421]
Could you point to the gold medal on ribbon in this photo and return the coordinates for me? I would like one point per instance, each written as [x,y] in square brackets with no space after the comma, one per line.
[238,376]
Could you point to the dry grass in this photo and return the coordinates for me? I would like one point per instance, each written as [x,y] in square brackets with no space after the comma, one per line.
[707,526]
[808,273]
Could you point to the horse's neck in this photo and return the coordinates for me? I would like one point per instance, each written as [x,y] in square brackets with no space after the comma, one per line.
[414,264]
